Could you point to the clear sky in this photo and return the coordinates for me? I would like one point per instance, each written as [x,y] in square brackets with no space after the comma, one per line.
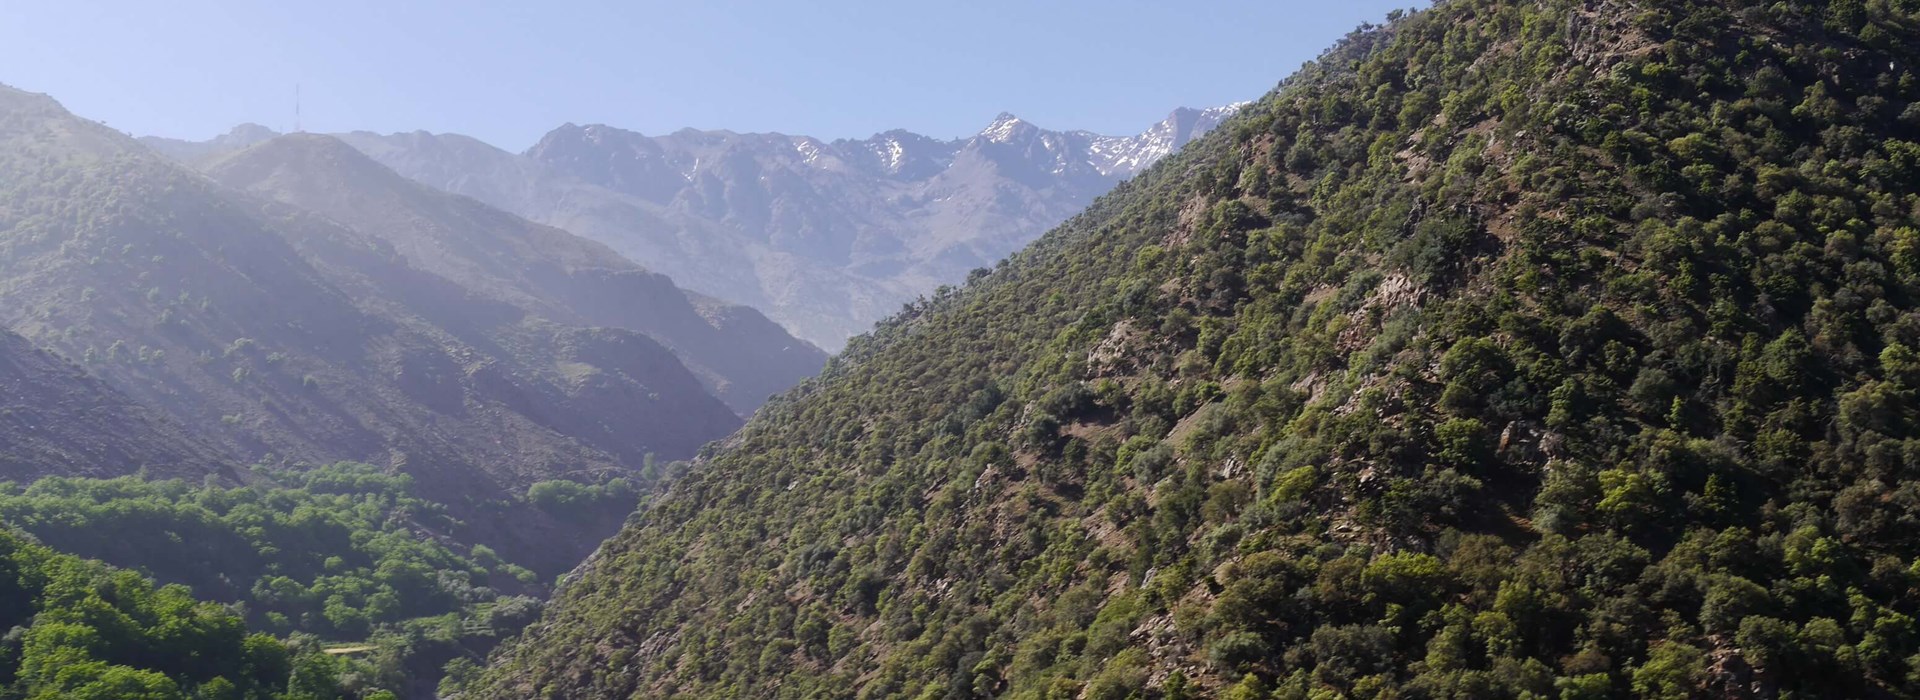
[507,72]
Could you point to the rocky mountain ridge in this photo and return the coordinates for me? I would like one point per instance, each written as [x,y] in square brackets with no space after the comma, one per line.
[825,237]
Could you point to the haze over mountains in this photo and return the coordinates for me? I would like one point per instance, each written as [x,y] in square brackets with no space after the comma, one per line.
[826,237]
[361,405]
[289,334]
[739,354]
[280,338]
[1511,349]
[474,351]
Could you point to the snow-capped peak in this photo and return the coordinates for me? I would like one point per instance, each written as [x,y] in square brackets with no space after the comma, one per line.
[1124,156]
[1004,128]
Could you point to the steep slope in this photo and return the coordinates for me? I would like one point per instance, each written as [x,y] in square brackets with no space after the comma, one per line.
[55,419]
[284,336]
[1515,349]
[742,357]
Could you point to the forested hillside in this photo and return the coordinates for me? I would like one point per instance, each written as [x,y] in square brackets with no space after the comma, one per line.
[1513,349]
[344,554]
[81,631]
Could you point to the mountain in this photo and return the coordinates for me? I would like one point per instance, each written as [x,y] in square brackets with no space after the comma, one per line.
[282,336]
[55,419]
[237,138]
[831,236]
[1513,349]
[741,355]
[826,237]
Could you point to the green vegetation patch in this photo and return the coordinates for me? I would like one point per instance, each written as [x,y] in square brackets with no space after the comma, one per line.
[342,553]
[1513,349]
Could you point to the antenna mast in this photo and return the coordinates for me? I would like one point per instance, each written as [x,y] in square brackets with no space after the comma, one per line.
[296,108]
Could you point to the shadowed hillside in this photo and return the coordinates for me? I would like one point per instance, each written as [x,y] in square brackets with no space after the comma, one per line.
[54,419]
[281,336]
[742,357]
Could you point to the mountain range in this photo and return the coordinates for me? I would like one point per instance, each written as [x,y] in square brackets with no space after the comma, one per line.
[312,306]
[826,237]
[1509,349]
[739,354]
[447,401]
[1512,349]
[57,419]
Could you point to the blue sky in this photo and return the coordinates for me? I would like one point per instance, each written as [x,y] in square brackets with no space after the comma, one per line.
[507,72]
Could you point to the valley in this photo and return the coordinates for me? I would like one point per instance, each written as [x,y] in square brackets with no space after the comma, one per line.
[375,419]
[1507,349]
[827,237]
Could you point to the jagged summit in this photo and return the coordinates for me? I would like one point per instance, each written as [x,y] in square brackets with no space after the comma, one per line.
[825,236]
[1006,127]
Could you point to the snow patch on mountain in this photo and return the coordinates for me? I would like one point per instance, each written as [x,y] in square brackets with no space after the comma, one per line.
[824,236]
[1006,128]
